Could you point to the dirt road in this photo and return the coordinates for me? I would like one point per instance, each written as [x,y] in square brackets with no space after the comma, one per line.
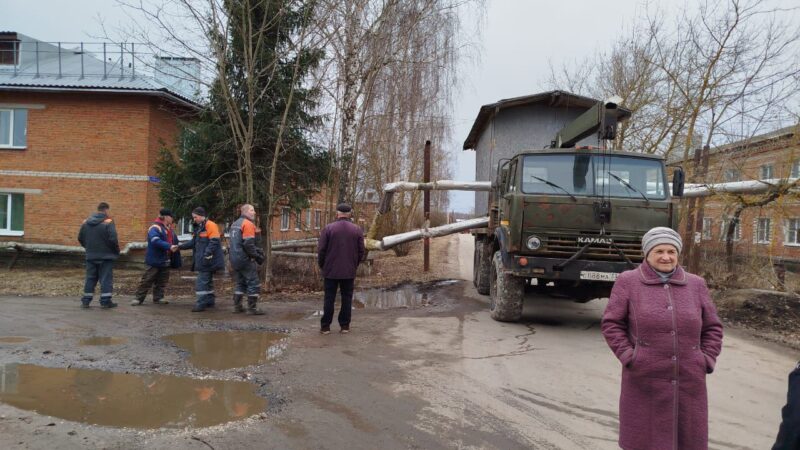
[425,367]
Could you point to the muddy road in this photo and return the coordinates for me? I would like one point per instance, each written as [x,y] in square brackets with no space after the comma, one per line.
[424,367]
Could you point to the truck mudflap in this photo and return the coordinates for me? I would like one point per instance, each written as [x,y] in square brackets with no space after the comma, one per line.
[555,269]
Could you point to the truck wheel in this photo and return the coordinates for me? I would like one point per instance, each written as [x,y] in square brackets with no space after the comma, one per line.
[482,267]
[505,293]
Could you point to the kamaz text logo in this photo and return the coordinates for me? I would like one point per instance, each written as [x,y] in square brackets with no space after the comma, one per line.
[595,240]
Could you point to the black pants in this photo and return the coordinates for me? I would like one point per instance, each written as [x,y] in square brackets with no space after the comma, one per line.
[346,287]
[155,277]
[789,431]
[99,270]
[246,280]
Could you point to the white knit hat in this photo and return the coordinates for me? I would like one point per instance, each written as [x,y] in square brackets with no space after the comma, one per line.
[658,236]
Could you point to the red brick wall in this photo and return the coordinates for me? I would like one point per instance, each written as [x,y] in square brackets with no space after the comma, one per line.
[94,133]
[780,153]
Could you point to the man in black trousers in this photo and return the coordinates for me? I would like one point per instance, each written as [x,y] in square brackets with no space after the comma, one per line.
[789,431]
[98,236]
[339,251]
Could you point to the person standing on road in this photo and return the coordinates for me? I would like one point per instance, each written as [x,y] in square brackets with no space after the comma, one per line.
[663,327]
[207,258]
[789,431]
[245,257]
[339,251]
[98,236]
[161,242]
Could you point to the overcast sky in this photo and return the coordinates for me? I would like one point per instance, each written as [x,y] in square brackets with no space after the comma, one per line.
[518,41]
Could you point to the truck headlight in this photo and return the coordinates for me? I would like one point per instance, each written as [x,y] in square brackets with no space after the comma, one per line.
[534,243]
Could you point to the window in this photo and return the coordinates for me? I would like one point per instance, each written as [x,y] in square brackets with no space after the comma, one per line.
[285,219]
[12,214]
[795,170]
[317,219]
[707,228]
[9,49]
[737,232]
[184,228]
[308,219]
[731,175]
[13,128]
[298,222]
[790,232]
[766,171]
[763,230]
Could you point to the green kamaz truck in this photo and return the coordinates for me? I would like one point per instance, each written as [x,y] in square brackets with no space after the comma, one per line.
[566,220]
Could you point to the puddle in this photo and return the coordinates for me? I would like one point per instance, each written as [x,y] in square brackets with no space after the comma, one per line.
[127,400]
[406,296]
[219,350]
[402,296]
[102,340]
[293,316]
[13,339]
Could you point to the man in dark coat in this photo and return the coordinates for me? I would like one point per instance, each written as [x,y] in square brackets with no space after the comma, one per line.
[160,247]
[98,236]
[340,249]
[789,431]
[207,258]
[245,258]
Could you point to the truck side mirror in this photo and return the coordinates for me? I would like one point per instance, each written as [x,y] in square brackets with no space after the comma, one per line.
[678,180]
[504,178]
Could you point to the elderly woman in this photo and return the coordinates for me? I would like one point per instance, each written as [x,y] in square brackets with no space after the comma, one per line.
[664,329]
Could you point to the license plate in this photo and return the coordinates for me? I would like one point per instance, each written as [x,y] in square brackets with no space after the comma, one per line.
[598,276]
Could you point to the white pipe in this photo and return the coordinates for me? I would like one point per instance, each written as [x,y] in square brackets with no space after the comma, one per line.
[441,185]
[736,187]
[53,248]
[388,242]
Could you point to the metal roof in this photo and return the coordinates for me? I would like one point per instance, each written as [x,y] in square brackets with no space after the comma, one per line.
[755,141]
[556,99]
[43,66]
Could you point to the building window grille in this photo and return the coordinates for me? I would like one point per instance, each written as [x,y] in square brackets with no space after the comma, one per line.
[12,214]
[763,230]
[13,128]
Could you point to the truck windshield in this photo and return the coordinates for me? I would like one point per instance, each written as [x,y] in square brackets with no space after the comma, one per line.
[593,175]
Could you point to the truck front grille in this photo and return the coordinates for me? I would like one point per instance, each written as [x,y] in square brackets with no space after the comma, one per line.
[564,246]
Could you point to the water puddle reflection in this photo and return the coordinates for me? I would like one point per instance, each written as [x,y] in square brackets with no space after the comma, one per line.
[127,400]
[401,296]
[13,339]
[219,350]
[102,340]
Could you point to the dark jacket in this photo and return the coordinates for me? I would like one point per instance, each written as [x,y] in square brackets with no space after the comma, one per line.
[340,249]
[789,431]
[159,241]
[206,247]
[243,250]
[98,236]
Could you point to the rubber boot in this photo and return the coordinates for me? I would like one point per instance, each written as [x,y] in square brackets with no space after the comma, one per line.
[251,306]
[237,303]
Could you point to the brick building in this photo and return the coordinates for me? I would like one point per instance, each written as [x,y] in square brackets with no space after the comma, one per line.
[76,130]
[772,230]
[80,125]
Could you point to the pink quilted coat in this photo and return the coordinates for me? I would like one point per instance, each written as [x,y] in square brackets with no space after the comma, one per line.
[667,337]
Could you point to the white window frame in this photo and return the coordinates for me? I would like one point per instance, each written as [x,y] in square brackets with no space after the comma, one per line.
[737,232]
[308,219]
[732,175]
[7,231]
[317,219]
[763,233]
[795,172]
[707,233]
[285,218]
[788,239]
[180,225]
[10,143]
[298,220]
[767,171]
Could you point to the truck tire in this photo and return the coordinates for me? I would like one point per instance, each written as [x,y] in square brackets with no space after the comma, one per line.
[505,293]
[482,266]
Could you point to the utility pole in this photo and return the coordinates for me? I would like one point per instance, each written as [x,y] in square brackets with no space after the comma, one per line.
[426,249]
